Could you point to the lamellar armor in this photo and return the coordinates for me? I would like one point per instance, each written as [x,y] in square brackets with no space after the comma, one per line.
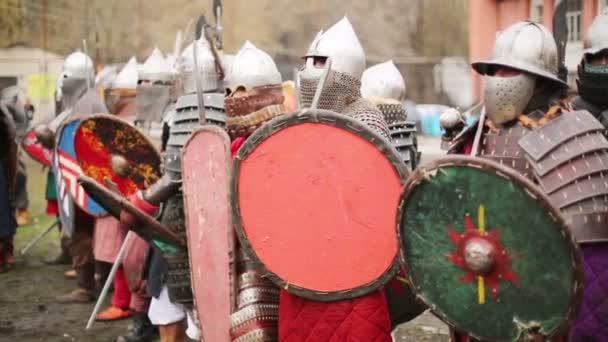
[185,119]
[341,92]
[384,86]
[254,95]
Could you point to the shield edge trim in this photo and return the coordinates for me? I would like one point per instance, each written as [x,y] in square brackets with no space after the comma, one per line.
[422,172]
[122,121]
[328,118]
[58,136]
[219,131]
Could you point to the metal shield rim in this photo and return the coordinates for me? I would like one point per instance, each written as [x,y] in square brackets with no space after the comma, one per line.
[534,191]
[323,117]
[69,193]
[220,132]
[124,122]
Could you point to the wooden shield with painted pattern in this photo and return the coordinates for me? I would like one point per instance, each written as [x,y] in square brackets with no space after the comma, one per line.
[487,252]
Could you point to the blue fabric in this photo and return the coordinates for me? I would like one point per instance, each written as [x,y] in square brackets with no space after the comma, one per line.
[8,223]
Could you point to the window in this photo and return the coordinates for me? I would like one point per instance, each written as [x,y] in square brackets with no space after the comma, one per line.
[574,18]
[536,10]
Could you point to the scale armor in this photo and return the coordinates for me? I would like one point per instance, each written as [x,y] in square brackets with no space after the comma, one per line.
[257,310]
[568,158]
[403,133]
[185,121]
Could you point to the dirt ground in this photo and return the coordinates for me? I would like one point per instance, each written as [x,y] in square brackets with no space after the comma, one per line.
[29,312]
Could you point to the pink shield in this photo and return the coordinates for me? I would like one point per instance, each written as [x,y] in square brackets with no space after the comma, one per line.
[205,170]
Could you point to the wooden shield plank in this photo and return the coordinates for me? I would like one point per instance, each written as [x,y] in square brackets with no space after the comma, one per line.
[205,165]
[145,226]
[315,196]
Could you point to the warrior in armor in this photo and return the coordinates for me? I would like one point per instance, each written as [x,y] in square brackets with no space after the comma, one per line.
[52,207]
[157,92]
[11,98]
[79,99]
[341,94]
[527,127]
[8,173]
[109,235]
[254,95]
[593,71]
[384,86]
[169,273]
[592,84]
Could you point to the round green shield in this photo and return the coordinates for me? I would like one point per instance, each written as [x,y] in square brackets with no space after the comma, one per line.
[487,252]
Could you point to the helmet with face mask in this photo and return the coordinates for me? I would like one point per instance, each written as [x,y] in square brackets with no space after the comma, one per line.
[529,48]
[123,87]
[592,79]
[254,93]
[206,65]
[155,92]
[341,44]
[77,76]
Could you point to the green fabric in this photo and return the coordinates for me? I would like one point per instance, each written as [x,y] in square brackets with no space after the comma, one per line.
[51,190]
[165,247]
[540,255]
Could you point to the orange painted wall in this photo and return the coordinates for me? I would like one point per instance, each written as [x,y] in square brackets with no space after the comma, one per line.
[486,17]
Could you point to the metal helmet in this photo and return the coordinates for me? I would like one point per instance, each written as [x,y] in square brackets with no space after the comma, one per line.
[340,42]
[383,83]
[592,81]
[227,61]
[254,93]
[78,66]
[252,68]
[341,45]
[127,77]
[106,76]
[526,46]
[156,68]
[206,64]
[596,39]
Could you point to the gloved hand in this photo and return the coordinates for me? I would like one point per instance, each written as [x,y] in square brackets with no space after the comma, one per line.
[450,119]
[452,122]
[45,136]
[128,220]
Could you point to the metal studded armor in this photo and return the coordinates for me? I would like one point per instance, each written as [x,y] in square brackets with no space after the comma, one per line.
[402,133]
[569,159]
[257,310]
[185,121]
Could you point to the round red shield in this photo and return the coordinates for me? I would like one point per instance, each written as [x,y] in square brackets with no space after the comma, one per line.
[315,195]
[108,148]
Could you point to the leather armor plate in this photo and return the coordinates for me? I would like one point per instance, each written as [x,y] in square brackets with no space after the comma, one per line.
[569,156]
